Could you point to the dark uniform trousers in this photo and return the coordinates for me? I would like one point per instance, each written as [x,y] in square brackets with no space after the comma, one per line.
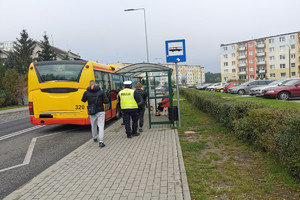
[134,116]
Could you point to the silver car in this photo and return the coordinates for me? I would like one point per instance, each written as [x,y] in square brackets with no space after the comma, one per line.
[245,87]
[257,91]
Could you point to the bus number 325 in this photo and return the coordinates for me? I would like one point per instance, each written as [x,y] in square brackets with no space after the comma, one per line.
[79,107]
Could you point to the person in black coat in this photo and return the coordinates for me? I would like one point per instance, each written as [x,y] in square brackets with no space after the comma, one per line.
[142,105]
[98,119]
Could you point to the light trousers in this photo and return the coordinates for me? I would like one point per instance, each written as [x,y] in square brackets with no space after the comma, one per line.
[98,120]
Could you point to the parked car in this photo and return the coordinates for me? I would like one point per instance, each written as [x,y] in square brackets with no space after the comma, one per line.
[205,86]
[214,86]
[220,88]
[230,85]
[199,86]
[245,87]
[287,90]
[257,91]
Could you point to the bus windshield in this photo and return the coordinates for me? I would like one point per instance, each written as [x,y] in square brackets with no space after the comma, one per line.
[59,72]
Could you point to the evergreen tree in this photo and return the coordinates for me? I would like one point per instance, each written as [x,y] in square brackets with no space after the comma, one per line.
[23,52]
[47,53]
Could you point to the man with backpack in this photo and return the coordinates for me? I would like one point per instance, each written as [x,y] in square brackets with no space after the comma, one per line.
[96,98]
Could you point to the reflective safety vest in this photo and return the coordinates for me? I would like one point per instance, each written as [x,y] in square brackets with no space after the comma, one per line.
[127,99]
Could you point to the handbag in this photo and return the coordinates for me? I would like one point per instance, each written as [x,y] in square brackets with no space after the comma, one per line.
[92,109]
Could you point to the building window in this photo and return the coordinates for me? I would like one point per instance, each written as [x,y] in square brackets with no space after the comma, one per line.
[233,55]
[225,48]
[233,70]
[282,48]
[271,40]
[226,71]
[225,56]
[232,47]
[293,65]
[233,63]
[282,57]
[251,53]
[272,58]
[292,37]
[271,49]
[225,78]
[251,44]
[282,74]
[272,66]
[225,64]
[272,75]
[282,66]
[251,61]
[293,73]
[293,56]
[251,69]
[251,76]
[281,39]
[292,46]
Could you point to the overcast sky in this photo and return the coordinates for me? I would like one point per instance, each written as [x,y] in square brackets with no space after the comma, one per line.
[100,30]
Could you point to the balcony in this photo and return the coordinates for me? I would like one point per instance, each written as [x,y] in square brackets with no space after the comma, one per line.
[242,48]
[243,73]
[260,54]
[242,65]
[263,62]
[261,71]
[242,57]
[258,46]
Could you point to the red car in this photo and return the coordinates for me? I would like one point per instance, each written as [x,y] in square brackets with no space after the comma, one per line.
[285,91]
[230,85]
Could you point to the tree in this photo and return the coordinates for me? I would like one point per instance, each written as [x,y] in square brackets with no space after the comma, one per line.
[47,53]
[212,77]
[23,52]
[11,86]
[3,69]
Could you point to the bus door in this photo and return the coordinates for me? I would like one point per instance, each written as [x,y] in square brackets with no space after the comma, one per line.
[102,80]
[107,90]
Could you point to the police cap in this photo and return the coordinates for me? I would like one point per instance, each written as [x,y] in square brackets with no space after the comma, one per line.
[127,82]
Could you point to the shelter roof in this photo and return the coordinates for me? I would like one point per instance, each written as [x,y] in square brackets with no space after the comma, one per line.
[139,68]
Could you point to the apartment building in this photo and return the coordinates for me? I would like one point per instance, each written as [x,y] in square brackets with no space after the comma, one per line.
[187,74]
[272,58]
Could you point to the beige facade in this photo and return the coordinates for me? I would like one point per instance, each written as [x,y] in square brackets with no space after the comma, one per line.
[187,74]
[273,58]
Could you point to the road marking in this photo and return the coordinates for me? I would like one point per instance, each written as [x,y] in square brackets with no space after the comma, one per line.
[30,151]
[20,132]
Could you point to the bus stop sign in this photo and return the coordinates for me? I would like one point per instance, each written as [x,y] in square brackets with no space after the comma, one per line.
[175,51]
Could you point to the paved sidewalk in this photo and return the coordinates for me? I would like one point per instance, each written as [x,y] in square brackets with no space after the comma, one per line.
[149,166]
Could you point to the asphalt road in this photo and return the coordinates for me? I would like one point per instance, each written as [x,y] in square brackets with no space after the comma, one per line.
[27,150]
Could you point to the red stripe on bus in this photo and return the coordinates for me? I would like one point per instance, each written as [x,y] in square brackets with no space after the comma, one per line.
[46,121]
[102,68]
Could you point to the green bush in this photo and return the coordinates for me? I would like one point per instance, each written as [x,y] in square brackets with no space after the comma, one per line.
[275,131]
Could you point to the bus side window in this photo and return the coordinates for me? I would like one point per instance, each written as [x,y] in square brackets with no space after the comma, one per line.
[99,79]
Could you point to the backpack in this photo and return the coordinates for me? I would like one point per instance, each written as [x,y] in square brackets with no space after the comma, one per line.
[92,109]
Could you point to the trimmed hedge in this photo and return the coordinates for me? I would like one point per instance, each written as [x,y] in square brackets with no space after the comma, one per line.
[275,131]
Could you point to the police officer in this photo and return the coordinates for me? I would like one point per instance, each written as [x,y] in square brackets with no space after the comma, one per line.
[129,100]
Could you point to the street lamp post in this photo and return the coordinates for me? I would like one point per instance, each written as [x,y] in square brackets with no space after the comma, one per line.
[145,28]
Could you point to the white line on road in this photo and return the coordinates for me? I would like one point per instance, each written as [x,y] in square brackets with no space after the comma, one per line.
[30,151]
[20,132]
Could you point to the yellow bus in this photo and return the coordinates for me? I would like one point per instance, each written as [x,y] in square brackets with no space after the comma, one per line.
[55,89]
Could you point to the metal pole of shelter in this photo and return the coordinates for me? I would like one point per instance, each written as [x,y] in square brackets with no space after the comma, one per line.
[177,91]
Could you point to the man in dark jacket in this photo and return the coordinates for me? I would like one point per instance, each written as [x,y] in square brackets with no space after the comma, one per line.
[129,100]
[141,105]
[90,95]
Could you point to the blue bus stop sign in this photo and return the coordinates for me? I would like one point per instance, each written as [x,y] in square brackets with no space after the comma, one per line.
[175,51]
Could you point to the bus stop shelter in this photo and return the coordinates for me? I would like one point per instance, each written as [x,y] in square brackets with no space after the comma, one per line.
[158,81]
